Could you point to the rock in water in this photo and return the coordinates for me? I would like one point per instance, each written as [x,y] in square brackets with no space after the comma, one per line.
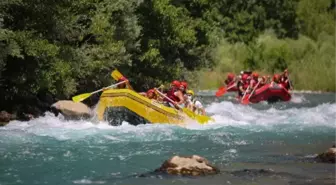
[71,110]
[193,166]
[328,156]
[5,117]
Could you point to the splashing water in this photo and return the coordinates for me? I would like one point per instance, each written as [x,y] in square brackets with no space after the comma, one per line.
[282,136]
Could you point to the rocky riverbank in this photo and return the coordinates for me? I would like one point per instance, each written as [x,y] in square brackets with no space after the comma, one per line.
[30,107]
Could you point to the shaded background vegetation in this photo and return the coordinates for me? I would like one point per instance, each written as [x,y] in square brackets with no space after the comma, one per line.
[54,49]
[305,45]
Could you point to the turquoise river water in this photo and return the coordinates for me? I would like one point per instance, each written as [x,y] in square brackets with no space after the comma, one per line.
[255,144]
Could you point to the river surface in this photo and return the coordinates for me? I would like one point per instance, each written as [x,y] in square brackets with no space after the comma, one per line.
[255,144]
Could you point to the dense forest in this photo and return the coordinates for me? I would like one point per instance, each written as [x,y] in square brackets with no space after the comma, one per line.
[54,49]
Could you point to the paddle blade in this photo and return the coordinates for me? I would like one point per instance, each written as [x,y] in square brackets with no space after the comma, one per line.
[81,97]
[221,91]
[245,101]
[116,74]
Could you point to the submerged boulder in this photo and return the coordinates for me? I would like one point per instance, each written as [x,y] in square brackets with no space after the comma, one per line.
[191,166]
[328,156]
[71,110]
[5,117]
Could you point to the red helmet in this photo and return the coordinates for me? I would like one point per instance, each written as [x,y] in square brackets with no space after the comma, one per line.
[122,78]
[176,83]
[276,77]
[182,87]
[150,91]
[255,75]
[185,84]
[245,77]
[230,76]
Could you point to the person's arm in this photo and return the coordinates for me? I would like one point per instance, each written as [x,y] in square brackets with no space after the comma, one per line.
[199,105]
[241,88]
[180,96]
[252,84]
[129,86]
[203,112]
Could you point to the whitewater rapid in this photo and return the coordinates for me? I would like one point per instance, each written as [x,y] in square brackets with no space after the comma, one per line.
[225,114]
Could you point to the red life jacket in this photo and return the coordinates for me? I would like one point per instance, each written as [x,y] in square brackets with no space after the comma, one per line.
[228,82]
[172,96]
[253,83]
[245,86]
[285,85]
[242,84]
[231,83]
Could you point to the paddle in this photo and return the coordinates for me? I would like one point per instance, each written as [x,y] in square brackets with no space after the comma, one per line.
[247,101]
[222,90]
[245,94]
[290,83]
[185,110]
[82,97]
[117,75]
[199,118]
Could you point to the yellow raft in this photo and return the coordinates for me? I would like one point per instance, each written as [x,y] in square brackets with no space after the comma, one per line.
[117,105]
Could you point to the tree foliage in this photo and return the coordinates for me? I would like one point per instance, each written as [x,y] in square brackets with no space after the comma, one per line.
[66,47]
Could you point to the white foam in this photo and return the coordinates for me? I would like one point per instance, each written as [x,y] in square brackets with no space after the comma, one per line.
[228,113]
[87,181]
[298,98]
[225,114]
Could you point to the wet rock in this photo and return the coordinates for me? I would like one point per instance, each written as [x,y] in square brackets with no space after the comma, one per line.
[328,156]
[71,110]
[27,117]
[5,117]
[191,166]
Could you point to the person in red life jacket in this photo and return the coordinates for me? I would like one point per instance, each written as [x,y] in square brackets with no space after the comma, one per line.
[263,81]
[247,84]
[254,80]
[230,80]
[150,94]
[175,94]
[275,80]
[285,81]
[185,87]
[122,85]
[242,84]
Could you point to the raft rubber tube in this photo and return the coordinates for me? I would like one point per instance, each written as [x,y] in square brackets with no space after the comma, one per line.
[270,93]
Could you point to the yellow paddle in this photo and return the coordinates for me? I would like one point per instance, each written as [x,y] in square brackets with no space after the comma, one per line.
[82,97]
[116,74]
[191,114]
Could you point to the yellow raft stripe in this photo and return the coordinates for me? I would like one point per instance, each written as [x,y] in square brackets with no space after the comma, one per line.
[162,111]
